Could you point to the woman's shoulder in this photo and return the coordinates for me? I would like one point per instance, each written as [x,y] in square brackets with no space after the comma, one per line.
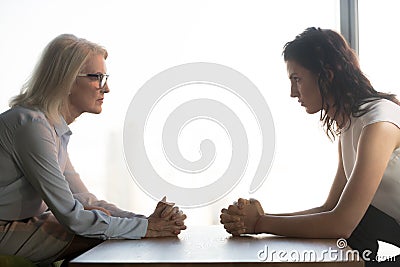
[381,110]
[19,115]
[380,103]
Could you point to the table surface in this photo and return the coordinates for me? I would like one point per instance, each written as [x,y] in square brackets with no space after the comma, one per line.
[212,245]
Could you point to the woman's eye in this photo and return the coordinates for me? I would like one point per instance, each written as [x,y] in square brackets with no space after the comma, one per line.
[296,79]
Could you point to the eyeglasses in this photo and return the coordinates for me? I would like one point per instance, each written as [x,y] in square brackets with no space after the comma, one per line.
[102,78]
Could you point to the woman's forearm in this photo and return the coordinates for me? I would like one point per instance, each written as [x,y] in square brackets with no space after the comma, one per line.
[304,212]
[317,225]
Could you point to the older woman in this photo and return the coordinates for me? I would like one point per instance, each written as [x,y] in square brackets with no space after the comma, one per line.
[46,212]
[364,202]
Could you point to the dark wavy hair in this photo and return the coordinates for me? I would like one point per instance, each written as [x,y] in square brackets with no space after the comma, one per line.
[324,52]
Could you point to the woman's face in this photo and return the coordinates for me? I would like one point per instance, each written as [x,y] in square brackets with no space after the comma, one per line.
[86,94]
[304,86]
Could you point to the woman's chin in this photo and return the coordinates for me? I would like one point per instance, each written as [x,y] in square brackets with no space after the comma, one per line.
[96,110]
[311,111]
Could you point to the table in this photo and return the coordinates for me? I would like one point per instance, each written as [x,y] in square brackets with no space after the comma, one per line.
[202,246]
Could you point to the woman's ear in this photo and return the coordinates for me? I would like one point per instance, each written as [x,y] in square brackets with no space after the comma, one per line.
[329,73]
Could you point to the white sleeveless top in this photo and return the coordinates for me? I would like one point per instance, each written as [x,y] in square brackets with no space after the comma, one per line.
[387,197]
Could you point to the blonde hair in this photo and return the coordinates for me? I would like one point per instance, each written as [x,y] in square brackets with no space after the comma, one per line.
[52,79]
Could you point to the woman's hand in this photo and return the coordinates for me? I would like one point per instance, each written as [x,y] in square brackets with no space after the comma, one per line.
[242,216]
[252,212]
[232,219]
[166,220]
[159,227]
[164,209]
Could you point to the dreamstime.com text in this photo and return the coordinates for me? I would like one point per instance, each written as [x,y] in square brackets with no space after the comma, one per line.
[330,254]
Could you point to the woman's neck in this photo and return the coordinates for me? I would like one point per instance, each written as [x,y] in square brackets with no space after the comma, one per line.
[339,119]
[69,115]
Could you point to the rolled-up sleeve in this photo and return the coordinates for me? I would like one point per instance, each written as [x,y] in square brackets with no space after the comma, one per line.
[37,154]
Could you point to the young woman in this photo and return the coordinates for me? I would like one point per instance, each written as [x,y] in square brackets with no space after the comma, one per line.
[46,212]
[364,202]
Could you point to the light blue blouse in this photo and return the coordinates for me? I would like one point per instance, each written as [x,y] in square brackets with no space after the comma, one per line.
[36,174]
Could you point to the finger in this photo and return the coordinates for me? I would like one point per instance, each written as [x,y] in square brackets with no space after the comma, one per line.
[175,210]
[179,223]
[177,232]
[258,205]
[168,211]
[181,220]
[179,217]
[175,227]
[163,202]
[254,201]
[230,219]
[180,228]
[172,226]
[242,202]
[178,213]
[227,218]
[232,209]
[234,227]
[159,208]
[183,227]
[224,210]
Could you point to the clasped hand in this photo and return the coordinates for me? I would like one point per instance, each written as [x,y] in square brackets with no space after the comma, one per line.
[242,216]
[166,220]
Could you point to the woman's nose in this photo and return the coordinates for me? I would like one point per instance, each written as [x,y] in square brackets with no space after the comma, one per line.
[106,89]
[293,91]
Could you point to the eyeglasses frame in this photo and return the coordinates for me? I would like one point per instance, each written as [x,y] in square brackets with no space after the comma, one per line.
[99,76]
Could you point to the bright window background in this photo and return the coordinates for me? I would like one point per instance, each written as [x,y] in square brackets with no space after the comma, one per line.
[379,43]
[146,37]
